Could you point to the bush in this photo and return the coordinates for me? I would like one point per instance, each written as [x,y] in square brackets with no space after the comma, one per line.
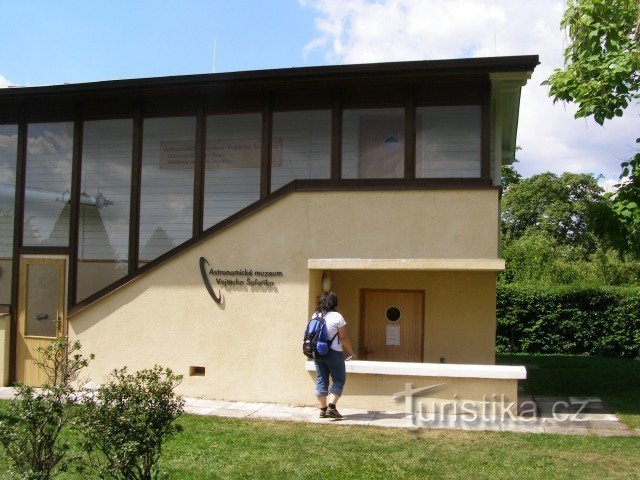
[569,320]
[128,420]
[31,436]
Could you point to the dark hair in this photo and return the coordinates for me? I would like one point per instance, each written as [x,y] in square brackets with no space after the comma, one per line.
[327,302]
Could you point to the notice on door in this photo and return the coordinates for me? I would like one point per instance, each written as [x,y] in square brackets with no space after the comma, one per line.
[393,335]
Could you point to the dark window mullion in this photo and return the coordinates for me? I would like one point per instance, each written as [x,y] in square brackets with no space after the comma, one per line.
[485,140]
[18,223]
[410,135]
[199,169]
[336,138]
[265,159]
[136,173]
[74,220]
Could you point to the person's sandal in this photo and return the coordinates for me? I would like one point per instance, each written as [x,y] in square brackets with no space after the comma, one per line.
[323,413]
[333,413]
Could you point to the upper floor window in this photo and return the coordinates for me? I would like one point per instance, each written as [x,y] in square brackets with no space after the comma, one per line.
[373,143]
[448,141]
[301,146]
[48,184]
[166,197]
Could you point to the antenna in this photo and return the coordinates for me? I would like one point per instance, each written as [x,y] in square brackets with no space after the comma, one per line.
[214,55]
[495,41]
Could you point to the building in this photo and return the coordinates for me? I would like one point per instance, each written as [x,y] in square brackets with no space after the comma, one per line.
[192,222]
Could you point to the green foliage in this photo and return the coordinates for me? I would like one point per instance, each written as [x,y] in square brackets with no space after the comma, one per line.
[602,76]
[565,208]
[31,434]
[627,202]
[126,423]
[602,58]
[510,176]
[569,320]
[536,259]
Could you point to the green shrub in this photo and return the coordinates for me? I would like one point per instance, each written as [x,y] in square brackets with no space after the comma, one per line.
[569,320]
[31,434]
[127,421]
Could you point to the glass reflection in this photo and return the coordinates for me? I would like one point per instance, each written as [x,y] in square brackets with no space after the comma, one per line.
[232,172]
[48,184]
[373,143]
[166,202]
[302,146]
[103,237]
[448,141]
[8,159]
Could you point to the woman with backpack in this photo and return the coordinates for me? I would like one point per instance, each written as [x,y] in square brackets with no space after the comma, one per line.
[332,364]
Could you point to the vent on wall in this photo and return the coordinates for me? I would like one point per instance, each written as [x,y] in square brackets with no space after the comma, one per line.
[196,371]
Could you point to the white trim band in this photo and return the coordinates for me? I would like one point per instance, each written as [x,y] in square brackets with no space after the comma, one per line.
[450,370]
[444,264]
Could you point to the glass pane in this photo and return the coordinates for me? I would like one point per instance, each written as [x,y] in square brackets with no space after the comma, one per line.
[448,141]
[103,238]
[166,202]
[48,184]
[8,159]
[302,146]
[42,300]
[232,175]
[373,143]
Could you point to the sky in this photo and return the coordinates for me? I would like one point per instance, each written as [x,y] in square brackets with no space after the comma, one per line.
[71,41]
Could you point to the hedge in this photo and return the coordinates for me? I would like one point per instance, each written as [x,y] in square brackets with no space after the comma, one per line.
[601,321]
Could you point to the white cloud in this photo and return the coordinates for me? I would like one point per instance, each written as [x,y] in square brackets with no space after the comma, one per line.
[4,83]
[357,31]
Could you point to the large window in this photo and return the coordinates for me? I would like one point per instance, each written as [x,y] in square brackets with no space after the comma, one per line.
[8,159]
[103,237]
[301,146]
[373,143]
[232,166]
[166,202]
[48,184]
[448,141]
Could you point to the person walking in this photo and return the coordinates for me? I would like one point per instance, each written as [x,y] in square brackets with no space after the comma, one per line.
[332,366]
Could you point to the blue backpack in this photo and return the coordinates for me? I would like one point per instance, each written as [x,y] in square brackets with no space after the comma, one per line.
[315,343]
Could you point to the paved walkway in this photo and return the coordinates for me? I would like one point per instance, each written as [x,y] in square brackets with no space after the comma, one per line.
[560,415]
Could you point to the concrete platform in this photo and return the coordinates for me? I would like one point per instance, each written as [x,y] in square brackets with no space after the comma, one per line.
[556,415]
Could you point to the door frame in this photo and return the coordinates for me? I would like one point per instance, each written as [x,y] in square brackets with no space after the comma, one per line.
[63,281]
[361,332]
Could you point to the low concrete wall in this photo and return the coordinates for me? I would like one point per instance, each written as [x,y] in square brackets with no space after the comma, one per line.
[450,389]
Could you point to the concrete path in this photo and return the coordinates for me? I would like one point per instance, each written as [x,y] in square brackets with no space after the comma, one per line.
[559,415]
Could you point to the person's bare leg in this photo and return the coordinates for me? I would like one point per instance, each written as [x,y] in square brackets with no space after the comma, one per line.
[322,401]
[333,398]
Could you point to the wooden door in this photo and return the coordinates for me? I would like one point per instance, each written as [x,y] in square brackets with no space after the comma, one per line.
[381,146]
[41,313]
[392,325]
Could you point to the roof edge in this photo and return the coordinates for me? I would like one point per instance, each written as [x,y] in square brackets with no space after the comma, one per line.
[524,63]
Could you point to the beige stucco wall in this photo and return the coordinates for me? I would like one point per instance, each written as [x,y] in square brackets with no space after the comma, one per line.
[250,345]
[460,320]
[5,280]
[5,325]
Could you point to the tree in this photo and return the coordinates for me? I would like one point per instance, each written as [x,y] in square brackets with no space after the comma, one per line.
[602,76]
[602,59]
[566,208]
[510,176]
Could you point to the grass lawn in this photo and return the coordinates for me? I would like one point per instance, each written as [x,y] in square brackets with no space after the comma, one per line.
[212,447]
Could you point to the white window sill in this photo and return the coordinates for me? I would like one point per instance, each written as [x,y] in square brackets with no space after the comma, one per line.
[450,370]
